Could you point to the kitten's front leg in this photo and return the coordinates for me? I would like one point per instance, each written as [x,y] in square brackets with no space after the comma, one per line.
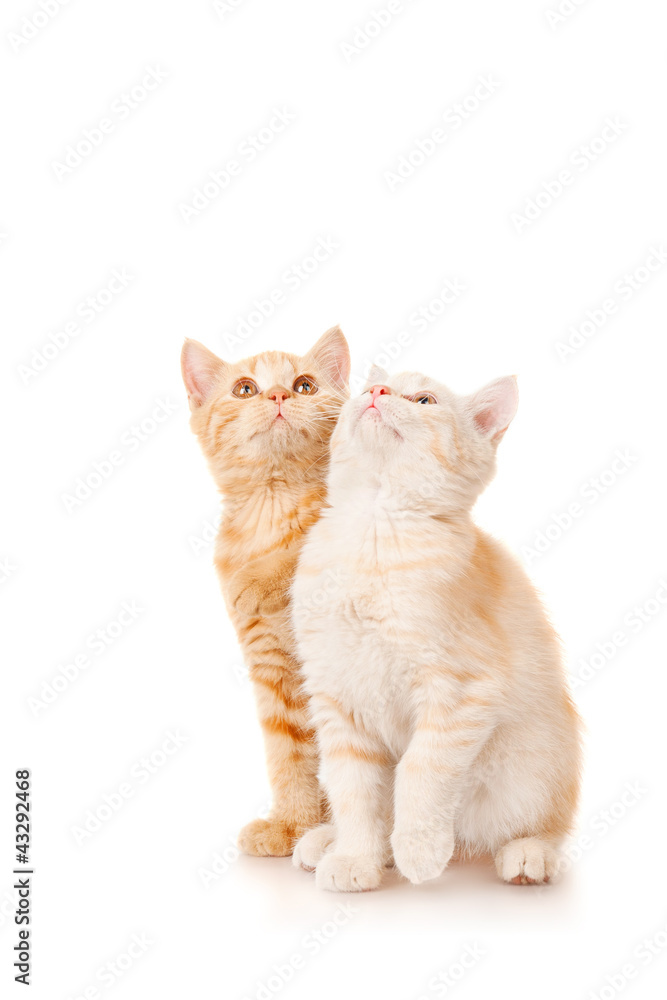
[291,747]
[429,783]
[357,778]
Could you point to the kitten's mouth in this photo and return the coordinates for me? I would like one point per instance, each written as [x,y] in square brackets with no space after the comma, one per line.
[373,409]
[375,413]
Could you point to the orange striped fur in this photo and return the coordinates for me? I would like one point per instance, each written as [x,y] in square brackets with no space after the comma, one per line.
[268,454]
[437,691]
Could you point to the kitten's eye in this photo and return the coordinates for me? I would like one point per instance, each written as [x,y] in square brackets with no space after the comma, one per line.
[245,387]
[305,386]
[427,398]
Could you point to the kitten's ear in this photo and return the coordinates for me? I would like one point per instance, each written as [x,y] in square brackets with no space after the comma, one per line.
[376,376]
[201,370]
[493,407]
[332,356]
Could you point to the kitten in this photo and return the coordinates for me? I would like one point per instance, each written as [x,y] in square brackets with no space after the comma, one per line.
[435,679]
[264,425]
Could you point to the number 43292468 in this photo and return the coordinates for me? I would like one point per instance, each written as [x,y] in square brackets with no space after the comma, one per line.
[22,815]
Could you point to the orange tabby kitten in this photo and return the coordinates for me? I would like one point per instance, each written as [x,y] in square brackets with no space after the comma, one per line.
[264,426]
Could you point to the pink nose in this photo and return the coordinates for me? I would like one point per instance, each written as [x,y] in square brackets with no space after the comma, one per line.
[278,395]
[380,390]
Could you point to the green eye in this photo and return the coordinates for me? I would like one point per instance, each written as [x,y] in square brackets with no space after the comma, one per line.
[305,386]
[245,387]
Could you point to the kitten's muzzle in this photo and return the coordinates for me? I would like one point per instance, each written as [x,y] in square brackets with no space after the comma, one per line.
[279,394]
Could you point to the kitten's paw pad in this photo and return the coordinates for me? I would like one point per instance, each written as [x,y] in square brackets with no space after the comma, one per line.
[313,846]
[344,873]
[418,858]
[268,838]
[529,861]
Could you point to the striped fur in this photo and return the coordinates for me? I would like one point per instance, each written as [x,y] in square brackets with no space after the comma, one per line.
[270,473]
[437,690]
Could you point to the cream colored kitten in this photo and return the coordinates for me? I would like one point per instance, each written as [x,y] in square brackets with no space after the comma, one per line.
[443,717]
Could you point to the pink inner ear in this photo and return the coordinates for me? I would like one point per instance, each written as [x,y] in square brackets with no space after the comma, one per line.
[195,383]
[485,420]
[494,407]
[332,354]
[201,369]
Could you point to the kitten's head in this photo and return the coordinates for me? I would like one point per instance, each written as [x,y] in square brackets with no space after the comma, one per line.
[426,447]
[254,417]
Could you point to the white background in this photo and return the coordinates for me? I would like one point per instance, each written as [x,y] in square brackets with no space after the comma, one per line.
[138,535]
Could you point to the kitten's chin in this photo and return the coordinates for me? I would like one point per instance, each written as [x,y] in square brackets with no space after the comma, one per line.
[373,426]
[277,428]
[282,439]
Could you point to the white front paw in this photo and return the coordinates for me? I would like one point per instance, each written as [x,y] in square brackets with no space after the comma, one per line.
[420,856]
[313,845]
[345,873]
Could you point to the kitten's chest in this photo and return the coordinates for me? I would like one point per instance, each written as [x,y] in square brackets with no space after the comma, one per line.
[369,585]
[266,521]
[385,567]
[368,617]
